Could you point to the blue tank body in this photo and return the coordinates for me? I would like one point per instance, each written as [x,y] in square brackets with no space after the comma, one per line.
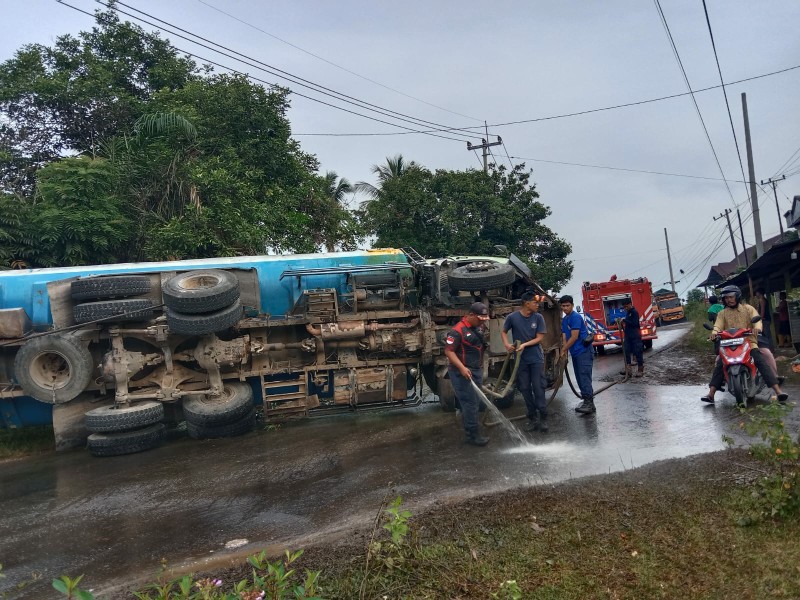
[28,289]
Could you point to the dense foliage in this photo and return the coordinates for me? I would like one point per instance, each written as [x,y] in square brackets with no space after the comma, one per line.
[113,147]
[468,212]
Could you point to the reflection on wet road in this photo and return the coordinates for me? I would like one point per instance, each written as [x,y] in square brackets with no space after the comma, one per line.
[118,517]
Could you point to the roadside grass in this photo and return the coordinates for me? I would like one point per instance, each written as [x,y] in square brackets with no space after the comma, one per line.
[669,531]
[15,443]
[697,338]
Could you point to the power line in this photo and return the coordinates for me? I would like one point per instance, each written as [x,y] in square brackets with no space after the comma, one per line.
[254,78]
[333,64]
[510,164]
[694,100]
[277,72]
[572,164]
[724,92]
[577,113]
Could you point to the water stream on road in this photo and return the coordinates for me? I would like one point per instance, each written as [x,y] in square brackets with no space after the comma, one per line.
[507,425]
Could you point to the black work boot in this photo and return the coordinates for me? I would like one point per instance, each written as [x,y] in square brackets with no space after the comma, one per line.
[581,406]
[543,424]
[531,425]
[475,438]
[587,407]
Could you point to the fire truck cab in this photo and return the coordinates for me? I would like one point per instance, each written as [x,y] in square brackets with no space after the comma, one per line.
[603,309]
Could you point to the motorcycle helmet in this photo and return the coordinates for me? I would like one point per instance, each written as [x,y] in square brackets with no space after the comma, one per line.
[731,290]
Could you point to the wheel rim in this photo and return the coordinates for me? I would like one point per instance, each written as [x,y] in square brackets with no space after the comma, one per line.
[51,370]
[202,281]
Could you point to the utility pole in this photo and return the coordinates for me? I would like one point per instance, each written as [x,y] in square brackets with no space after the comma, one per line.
[669,260]
[485,147]
[730,230]
[741,231]
[774,184]
[752,171]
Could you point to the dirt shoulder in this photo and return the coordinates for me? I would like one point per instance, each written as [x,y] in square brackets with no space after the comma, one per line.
[665,530]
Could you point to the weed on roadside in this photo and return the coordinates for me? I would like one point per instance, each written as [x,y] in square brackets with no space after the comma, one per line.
[15,443]
[776,494]
[275,580]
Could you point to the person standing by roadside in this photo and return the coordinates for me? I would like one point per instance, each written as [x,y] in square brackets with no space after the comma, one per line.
[632,344]
[528,328]
[765,310]
[464,348]
[574,332]
[713,308]
[784,331]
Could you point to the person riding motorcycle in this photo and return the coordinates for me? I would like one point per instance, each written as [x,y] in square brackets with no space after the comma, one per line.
[736,315]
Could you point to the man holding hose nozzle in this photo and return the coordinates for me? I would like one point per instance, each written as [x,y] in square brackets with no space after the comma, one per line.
[528,328]
[464,351]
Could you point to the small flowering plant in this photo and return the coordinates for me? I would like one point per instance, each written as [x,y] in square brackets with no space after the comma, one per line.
[270,581]
[777,493]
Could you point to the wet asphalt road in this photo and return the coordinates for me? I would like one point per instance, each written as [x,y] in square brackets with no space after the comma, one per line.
[116,518]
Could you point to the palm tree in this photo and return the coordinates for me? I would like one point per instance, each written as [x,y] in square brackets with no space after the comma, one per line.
[394,167]
[337,187]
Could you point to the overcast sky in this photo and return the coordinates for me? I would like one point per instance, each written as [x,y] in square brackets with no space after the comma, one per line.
[457,64]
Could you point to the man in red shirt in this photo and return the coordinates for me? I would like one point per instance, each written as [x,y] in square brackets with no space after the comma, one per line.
[464,351]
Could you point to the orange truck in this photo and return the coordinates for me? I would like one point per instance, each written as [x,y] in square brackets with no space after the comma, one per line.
[602,308]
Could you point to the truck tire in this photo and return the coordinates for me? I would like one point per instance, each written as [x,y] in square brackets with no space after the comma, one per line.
[126,442]
[196,292]
[240,427]
[109,419]
[481,276]
[446,394]
[54,368]
[113,286]
[130,309]
[235,402]
[192,324]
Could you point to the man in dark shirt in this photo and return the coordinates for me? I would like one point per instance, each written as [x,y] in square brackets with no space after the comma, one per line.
[464,351]
[632,346]
[528,328]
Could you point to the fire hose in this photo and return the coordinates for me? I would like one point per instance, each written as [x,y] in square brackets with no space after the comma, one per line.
[561,366]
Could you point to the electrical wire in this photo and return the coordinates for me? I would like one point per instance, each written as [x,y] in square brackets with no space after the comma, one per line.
[510,163]
[275,71]
[724,92]
[694,100]
[480,162]
[572,164]
[271,84]
[577,113]
[333,64]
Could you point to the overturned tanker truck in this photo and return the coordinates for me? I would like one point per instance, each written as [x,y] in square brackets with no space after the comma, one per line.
[113,355]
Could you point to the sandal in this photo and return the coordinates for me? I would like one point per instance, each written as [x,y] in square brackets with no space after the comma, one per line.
[783,397]
[708,399]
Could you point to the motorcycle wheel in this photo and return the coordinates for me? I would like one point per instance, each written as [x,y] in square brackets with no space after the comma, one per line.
[737,385]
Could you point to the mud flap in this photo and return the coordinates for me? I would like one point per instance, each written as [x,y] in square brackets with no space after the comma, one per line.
[69,426]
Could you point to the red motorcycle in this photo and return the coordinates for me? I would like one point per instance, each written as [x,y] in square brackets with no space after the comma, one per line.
[743,379]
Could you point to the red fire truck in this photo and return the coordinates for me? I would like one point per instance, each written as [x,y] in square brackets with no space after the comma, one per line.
[602,307]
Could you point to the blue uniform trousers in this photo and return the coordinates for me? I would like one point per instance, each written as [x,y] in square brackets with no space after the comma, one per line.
[467,397]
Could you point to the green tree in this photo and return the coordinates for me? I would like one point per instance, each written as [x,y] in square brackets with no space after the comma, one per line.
[695,296]
[469,212]
[82,90]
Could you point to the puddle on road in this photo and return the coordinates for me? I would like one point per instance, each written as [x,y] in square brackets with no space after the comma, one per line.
[562,448]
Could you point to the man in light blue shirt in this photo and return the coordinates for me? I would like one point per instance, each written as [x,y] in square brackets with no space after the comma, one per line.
[528,328]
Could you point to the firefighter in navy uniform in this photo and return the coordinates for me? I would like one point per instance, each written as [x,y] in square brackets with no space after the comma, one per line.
[464,351]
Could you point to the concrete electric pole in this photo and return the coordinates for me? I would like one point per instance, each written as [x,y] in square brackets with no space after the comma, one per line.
[669,260]
[752,172]
[730,230]
[774,184]
[485,147]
